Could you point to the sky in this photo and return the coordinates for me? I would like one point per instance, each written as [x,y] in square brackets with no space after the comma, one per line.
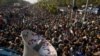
[32,1]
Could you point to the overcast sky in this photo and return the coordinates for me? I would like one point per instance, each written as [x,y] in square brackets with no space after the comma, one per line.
[32,1]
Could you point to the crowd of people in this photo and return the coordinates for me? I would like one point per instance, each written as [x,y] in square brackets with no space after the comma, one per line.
[69,34]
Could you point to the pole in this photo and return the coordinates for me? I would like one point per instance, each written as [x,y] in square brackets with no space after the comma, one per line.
[73,4]
[84,17]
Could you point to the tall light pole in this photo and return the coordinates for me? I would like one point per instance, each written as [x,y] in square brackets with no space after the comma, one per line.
[72,11]
[73,3]
[84,17]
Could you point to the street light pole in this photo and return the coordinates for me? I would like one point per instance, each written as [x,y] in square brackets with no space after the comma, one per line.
[73,4]
[84,17]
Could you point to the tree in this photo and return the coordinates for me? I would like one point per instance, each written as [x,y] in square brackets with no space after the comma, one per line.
[62,2]
[49,5]
[6,2]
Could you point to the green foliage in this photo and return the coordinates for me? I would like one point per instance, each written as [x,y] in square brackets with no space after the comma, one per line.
[81,2]
[50,5]
[63,2]
[2,2]
[6,2]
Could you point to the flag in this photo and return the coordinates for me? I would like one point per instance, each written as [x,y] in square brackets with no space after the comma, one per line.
[35,42]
